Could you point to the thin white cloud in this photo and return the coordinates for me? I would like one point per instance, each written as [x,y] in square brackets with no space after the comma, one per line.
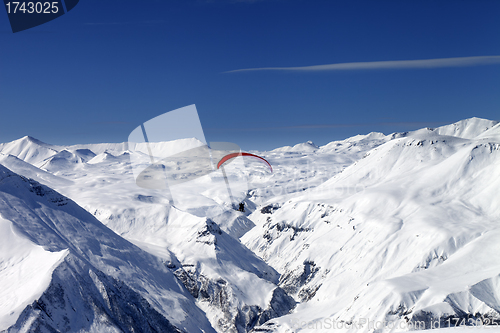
[320,126]
[152,22]
[395,64]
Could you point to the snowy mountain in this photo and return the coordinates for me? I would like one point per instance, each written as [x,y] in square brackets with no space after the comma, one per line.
[467,129]
[388,238]
[29,149]
[79,271]
[373,233]
[103,158]
[214,271]
[308,146]
[65,160]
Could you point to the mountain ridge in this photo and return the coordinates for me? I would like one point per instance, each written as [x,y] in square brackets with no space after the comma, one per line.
[371,227]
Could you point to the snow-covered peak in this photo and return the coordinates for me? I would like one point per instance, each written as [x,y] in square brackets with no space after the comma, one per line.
[491,135]
[103,157]
[84,154]
[386,238]
[467,128]
[355,143]
[306,147]
[372,227]
[65,160]
[57,224]
[28,149]
[30,139]
[366,137]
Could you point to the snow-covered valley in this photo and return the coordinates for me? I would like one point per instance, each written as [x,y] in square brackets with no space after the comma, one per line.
[375,233]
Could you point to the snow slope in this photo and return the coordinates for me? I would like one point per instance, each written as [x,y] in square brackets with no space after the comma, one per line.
[308,146]
[388,229]
[210,261]
[29,149]
[50,220]
[25,272]
[408,233]
[467,128]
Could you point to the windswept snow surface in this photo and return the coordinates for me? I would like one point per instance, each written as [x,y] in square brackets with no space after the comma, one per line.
[410,233]
[60,226]
[356,235]
[25,272]
[29,149]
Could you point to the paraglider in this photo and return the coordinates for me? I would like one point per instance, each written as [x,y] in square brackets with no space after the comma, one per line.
[230,156]
[233,155]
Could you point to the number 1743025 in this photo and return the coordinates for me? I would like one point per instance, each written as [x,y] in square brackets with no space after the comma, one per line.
[32,7]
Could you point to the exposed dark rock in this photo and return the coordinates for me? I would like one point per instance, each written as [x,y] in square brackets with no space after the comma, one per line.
[281,304]
[236,317]
[275,230]
[44,191]
[307,293]
[269,209]
[79,297]
[188,282]
[208,234]
[292,281]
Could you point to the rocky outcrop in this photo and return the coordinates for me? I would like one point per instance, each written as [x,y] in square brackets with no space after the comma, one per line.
[236,317]
[80,298]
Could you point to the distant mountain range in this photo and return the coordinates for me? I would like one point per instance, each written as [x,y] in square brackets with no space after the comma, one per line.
[375,233]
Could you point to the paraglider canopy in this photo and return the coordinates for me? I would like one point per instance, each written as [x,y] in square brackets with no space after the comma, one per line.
[233,155]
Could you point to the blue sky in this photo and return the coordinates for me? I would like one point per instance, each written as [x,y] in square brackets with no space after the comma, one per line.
[96,73]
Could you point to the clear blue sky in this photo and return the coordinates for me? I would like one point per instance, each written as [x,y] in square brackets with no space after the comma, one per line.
[99,71]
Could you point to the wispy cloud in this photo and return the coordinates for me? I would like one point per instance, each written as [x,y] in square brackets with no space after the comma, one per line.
[393,64]
[111,123]
[152,22]
[232,1]
[410,124]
